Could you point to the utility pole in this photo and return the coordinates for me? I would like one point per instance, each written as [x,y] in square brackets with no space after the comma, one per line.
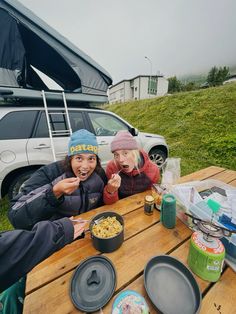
[149,85]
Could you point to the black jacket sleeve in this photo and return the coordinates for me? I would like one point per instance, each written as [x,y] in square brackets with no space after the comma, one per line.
[21,250]
[36,202]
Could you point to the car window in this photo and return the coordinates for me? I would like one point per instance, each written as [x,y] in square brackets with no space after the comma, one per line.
[17,125]
[105,124]
[42,128]
[59,123]
[76,120]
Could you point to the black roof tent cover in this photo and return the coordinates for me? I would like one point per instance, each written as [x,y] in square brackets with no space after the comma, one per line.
[26,42]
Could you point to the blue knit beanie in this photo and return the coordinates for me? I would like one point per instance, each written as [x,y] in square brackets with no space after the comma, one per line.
[82,141]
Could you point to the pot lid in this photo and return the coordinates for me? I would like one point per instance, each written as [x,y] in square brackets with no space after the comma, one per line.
[93,283]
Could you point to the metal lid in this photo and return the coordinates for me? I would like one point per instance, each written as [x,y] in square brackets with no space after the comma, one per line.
[93,283]
[149,198]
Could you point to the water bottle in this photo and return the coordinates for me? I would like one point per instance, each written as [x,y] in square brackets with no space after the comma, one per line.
[168,211]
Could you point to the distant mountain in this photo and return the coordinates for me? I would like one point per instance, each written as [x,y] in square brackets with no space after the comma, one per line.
[197,78]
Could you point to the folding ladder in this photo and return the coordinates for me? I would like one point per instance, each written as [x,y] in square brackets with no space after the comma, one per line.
[54,133]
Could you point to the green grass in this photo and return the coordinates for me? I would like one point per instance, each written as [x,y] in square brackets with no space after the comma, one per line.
[199,128]
[4,222]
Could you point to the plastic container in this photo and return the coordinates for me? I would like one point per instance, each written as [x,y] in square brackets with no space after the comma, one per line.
[201,210]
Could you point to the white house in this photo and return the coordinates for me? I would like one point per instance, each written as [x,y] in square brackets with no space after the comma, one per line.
[139,87]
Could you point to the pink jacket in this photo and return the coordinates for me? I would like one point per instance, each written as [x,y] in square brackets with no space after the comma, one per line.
[136,181]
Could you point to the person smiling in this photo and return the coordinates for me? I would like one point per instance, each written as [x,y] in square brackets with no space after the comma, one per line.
[63,188]
[130,172]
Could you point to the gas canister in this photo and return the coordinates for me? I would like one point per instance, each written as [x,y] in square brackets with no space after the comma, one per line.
[206,256]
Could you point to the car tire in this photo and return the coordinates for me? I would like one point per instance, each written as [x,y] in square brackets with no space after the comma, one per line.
[157,156]
[17,183]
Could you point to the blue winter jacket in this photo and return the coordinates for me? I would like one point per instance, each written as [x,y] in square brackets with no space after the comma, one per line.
[37,202]
[21,250]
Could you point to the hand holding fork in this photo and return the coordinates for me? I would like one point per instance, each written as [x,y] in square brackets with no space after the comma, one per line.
[114,183]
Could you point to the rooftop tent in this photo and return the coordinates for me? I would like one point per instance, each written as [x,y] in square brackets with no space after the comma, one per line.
[28,43]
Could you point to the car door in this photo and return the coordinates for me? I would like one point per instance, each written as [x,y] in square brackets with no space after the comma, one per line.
[105,126]
[15,130]
[39,148]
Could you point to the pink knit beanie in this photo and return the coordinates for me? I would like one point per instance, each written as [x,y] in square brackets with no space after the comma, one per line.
[123,140]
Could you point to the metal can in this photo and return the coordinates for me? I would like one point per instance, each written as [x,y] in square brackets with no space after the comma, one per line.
[148,204]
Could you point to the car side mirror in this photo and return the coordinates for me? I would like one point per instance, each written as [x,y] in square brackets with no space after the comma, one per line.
[133,131]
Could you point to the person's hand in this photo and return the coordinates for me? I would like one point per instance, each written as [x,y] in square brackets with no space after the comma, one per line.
[79,226]
[114,183]
[66,186]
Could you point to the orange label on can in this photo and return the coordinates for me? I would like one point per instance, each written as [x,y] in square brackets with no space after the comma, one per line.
[198,241]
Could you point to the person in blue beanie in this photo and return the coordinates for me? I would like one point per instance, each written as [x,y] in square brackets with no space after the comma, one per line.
[63,188]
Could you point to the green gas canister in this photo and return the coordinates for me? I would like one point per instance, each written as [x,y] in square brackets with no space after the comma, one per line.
[206,256]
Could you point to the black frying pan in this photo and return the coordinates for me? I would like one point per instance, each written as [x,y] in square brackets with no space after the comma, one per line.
[171,286]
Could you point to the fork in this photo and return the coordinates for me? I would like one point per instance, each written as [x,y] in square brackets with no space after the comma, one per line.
[96,221]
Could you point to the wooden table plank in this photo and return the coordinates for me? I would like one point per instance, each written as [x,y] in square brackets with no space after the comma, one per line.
[127,260]
[220,299]
[227,176]
[233,183]
[202,174]
[122,207]
[69,257]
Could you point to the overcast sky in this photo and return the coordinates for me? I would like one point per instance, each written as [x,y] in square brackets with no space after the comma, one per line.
[178,36]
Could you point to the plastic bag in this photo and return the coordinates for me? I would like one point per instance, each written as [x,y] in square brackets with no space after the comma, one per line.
[171,172]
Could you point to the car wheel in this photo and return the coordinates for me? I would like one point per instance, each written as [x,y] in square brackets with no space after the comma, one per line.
[17,183]
[157,156]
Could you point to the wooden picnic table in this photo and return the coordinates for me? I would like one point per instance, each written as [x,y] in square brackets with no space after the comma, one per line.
[48,283]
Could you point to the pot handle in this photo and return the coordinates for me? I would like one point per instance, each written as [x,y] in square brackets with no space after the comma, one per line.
[93,278]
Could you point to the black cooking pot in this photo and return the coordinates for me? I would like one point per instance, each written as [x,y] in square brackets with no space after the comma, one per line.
[107,245]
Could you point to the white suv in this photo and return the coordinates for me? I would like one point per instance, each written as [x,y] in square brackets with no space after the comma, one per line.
[25,144]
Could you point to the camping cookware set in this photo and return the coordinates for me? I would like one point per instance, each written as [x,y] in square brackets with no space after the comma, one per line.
[93,282]
[165,278]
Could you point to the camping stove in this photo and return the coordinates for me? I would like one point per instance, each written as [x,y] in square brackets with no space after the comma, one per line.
[206,252]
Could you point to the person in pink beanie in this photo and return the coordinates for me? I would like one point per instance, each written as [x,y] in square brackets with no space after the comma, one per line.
[130,172]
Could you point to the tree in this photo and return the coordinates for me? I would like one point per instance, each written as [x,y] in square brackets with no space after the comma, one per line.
[217,76]
[174,85]
[189,86]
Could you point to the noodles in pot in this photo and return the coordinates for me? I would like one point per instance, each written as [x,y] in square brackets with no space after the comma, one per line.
[107,227]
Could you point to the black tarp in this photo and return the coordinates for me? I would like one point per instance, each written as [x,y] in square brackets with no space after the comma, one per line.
[27,42]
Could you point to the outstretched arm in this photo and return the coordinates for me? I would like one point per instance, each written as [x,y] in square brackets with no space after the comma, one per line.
[21,250]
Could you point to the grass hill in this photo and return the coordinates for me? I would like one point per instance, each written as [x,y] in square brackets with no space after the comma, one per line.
[199,126]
